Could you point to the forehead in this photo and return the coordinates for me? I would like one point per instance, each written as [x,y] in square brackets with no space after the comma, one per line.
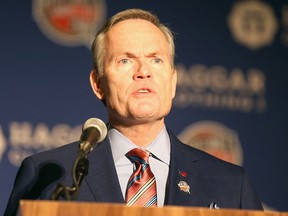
[136,34]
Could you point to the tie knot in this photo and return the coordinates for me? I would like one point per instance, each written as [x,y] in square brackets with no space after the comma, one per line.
[138,156]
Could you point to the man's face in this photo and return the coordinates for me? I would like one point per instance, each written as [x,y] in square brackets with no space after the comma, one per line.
[139,82]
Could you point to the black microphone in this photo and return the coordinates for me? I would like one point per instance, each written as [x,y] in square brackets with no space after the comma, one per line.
[94,131]
[48,172]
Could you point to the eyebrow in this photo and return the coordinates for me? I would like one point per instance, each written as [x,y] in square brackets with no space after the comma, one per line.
[130,54]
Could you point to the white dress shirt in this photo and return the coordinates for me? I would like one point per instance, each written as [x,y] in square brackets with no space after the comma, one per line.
[160,148]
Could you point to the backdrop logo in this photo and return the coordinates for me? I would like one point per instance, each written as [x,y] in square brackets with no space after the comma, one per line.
[3,144]
[217,87]
[252,23]
[69,22]
[26,139]
[214,138]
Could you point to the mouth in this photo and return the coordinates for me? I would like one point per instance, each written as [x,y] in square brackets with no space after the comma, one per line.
[144,90]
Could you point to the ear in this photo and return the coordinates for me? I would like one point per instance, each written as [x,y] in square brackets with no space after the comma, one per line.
[174,83]
[96,85]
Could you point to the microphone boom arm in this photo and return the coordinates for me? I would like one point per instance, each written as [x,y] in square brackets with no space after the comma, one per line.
[93,132]
[79,171]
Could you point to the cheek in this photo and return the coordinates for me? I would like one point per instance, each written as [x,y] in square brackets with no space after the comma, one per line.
[167,84]
[117,91]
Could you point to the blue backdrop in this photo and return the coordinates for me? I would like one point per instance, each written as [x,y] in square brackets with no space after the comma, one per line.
[232,66]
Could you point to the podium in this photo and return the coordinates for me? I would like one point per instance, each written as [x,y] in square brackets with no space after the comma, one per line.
[64,208]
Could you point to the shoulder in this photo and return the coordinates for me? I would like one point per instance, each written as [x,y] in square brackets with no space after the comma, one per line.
[60,155]
[212,165]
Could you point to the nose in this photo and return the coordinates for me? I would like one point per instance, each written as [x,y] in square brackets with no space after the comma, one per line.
[142,71]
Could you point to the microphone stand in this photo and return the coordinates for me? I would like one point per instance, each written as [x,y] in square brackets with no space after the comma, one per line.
[79,171]
[93,132]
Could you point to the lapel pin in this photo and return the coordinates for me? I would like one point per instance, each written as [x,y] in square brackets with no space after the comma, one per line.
[182,173]
[183,186]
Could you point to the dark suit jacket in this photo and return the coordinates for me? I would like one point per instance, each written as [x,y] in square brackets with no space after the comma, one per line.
[210,179]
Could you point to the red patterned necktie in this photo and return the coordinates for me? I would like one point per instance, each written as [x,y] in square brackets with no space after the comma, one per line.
[141,188]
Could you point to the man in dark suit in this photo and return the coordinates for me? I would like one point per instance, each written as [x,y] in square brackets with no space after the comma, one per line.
[133,74]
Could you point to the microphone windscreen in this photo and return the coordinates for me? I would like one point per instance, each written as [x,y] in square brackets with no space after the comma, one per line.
[97,124]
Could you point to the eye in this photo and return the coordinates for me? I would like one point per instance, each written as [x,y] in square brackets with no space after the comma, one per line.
[157,60]
[124,61]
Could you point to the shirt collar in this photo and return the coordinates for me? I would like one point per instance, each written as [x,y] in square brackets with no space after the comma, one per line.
[159,147]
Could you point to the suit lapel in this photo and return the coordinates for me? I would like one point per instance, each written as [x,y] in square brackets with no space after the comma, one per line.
[103,183]
[183,184]
[102,178]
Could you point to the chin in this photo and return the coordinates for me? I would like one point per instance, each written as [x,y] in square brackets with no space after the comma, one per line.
[141,116]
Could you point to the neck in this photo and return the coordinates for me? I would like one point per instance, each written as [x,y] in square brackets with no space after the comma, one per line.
[141,134]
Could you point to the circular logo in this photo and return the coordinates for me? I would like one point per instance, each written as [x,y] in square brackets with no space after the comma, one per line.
[252,23]
[3,143]
[215,139]
[69,22]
